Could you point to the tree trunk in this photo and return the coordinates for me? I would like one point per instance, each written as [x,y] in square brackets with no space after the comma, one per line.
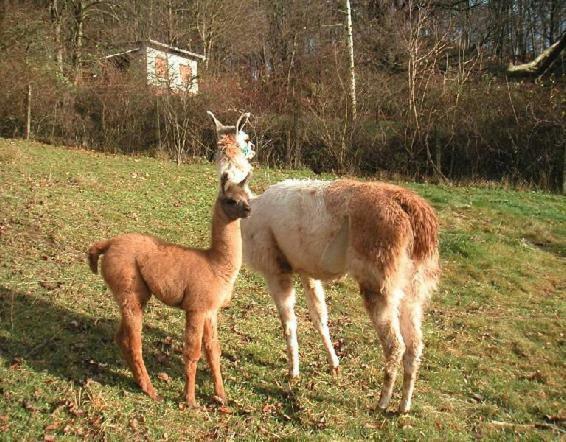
[28,113]
[79,17]
[352,66]
[56,18]
[158,124]
[170,23]
[539,65]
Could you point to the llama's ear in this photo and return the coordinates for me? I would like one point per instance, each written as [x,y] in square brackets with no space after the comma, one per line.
[245,115]
[218,124]
[223,181]
[245,180]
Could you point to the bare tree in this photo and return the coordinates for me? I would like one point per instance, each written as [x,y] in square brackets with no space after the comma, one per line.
[540,64]
[82,10]
[351,54]
[55,8]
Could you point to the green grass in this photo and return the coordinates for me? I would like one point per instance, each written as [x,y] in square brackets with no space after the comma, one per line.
[493,366]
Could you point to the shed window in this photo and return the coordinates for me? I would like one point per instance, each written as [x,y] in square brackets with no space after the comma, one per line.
[186,74]
[161,67]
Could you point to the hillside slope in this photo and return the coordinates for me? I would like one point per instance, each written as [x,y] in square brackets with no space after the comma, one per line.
[493,365]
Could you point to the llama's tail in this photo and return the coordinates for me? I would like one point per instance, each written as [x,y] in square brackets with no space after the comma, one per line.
[94,251]
[424,223]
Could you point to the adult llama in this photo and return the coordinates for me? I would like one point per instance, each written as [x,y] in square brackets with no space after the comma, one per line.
[384,236]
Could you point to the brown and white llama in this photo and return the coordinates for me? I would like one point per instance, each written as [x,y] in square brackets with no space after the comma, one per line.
[135,266]
[234,149]
[384,236]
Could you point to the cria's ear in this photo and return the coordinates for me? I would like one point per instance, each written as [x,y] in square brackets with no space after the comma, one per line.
[245,180]
[219,126]
[223,181]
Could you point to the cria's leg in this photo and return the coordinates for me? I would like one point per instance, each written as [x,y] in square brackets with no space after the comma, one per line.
[282,292]
[319,316]
[411,316]
[130,341]
[212,351]
[192,352]
[383,309]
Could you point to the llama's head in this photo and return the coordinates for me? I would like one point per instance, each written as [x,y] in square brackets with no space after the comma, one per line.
[234,198]
[234,149]
[235,134]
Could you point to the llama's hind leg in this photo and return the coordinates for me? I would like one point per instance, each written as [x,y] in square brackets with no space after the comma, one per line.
[283,294]
[129,339]
[411,317]
[383,309]
[319,316]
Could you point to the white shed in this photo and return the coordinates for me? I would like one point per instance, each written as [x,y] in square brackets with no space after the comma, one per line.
[165,66]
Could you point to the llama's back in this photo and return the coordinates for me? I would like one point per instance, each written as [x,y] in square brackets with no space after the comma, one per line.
[391,227]
[119,263]
[290,230]
[319,227]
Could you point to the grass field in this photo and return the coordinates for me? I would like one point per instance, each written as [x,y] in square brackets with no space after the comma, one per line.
[494,365]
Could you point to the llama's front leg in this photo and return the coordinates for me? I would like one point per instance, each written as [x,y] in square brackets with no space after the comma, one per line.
[411,317]
[383,309]
[129,339]
[319,316]
[282,292]
[212,351]
[191,353]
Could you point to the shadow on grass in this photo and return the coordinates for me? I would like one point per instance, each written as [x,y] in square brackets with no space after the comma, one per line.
[67,344]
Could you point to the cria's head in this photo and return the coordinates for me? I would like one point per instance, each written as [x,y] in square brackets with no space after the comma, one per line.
[234,198]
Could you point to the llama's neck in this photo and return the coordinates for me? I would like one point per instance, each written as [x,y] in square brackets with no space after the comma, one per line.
[226,246]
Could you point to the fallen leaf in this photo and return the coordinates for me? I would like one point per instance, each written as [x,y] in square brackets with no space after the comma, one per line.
[16,363]
[555,419]
[268,408]
[168,340]
[4,422]
[50,285]
[164,377]
[162,357]
[29,406]
[134,424]
[52,426]
[374,426]
[48,438]
[477,397]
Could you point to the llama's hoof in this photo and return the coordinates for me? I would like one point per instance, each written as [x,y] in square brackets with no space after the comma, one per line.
[220,400]
[193,404]
[335,371]
[404,408]
[153,394]
[293,378]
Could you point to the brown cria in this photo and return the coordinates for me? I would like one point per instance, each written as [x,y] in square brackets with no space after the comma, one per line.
[135,266]
[384,236]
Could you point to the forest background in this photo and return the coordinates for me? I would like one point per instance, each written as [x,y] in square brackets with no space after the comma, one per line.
[437,93]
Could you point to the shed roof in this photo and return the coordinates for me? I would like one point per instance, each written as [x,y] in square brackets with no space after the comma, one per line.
[170,48]
[156,44]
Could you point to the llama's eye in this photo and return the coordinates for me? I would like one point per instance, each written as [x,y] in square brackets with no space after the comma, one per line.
[231,202]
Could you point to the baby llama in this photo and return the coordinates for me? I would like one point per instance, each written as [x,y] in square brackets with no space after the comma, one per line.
[135,266]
